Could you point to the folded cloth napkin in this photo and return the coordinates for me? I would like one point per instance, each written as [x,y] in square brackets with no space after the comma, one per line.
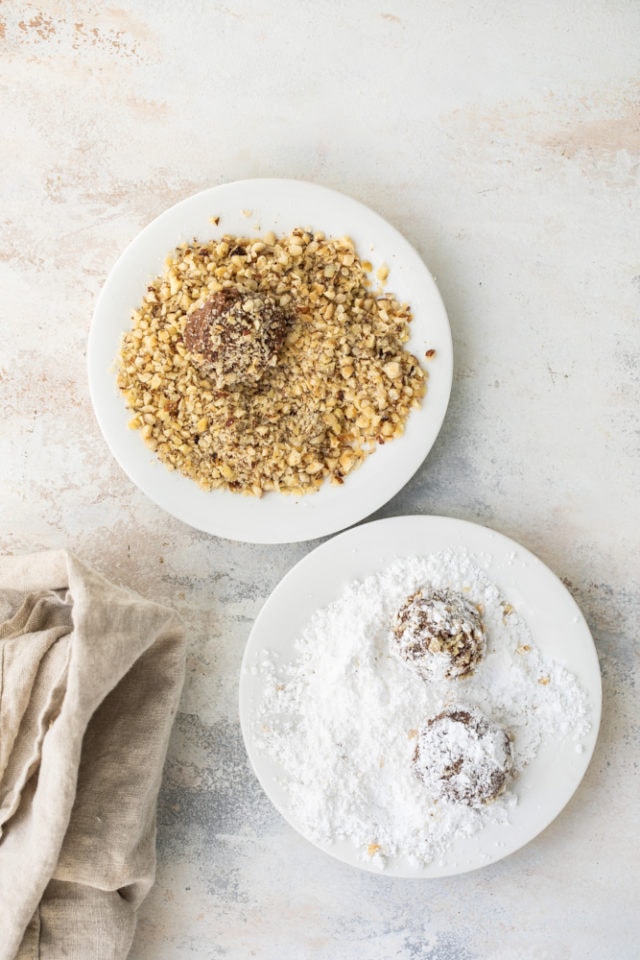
[90,677]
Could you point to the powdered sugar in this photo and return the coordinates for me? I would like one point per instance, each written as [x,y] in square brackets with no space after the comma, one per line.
[341,718]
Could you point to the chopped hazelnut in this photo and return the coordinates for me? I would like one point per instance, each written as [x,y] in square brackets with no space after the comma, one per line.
[314,407]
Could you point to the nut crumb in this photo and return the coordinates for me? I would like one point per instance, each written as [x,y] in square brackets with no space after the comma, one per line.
[342,381]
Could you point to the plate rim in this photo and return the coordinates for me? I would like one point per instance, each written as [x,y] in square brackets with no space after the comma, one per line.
[313,515]
[369,530]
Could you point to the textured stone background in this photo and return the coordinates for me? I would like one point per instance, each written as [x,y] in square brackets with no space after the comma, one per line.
[503,140]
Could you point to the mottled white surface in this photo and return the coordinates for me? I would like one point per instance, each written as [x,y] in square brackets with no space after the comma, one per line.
[503,140]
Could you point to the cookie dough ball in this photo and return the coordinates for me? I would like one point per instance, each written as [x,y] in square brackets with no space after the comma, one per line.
[439,634]
[235,336]
[464,757]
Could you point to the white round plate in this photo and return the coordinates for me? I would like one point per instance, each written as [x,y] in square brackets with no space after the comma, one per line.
[557,628]
[250,208]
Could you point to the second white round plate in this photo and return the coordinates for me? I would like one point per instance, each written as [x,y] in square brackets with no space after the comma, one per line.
[556,627]
[250,208]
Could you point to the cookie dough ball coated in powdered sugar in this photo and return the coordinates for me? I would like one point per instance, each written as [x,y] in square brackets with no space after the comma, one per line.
[439,633]
[464,757]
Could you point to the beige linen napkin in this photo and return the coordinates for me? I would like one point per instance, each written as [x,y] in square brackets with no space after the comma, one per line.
[90,677]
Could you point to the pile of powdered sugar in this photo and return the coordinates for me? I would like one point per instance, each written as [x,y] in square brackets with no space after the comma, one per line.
[340,718]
